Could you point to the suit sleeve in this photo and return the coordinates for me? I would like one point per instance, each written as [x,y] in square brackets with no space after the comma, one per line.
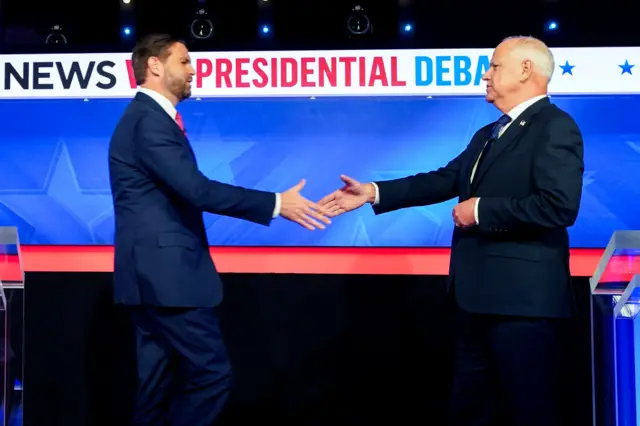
[170,162]
[421,189]
[558,167]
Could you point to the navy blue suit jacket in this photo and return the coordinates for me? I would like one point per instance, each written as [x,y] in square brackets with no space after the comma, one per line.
[161,248]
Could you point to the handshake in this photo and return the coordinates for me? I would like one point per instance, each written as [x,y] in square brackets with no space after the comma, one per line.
[298,209]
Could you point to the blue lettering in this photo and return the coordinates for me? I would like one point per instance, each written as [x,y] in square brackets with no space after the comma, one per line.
[461,67]
[424,78]
[441,70]
[450,70]
[483,67]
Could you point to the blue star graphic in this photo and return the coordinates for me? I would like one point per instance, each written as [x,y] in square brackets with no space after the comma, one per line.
[216,155]
[626,67]
[61,212]
[588,178]
[567,69]
[360,235]
[436,229]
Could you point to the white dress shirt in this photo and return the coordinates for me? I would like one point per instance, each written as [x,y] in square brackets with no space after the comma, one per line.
[170,109]
[514,113]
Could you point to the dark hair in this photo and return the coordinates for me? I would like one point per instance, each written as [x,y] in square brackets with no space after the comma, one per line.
[152,45]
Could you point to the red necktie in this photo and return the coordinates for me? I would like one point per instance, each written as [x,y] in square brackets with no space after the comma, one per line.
[180,123]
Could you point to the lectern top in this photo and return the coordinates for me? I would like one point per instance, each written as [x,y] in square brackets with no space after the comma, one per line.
[11,272]
[619,263]
[628,305]
[8,235]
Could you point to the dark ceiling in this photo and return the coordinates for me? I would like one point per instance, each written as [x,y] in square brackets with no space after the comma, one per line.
[316,24]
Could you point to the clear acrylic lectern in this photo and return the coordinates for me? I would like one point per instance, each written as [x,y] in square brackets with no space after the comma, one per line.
[615,352]
[11,314]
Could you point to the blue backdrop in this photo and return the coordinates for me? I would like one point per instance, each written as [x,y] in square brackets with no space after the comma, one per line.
[54,182]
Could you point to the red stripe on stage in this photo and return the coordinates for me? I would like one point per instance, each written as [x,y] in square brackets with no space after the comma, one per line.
[292,260]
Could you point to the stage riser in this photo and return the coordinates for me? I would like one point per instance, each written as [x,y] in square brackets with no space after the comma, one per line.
[306,349]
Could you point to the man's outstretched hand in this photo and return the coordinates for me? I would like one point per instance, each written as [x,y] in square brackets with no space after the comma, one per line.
[351,196]
[296,208]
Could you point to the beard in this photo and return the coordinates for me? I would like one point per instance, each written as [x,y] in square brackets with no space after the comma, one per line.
[179,87]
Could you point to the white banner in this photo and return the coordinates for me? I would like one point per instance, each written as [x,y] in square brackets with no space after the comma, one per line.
[316,73]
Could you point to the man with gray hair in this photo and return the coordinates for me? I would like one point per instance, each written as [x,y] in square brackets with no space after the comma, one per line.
[519,184]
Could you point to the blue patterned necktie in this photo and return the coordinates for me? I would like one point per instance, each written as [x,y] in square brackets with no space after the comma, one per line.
[502,121]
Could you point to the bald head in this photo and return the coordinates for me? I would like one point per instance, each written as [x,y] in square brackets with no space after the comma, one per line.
[521,68]
[534,50]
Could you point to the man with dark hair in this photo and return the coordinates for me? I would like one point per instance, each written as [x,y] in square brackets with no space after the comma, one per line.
[163,270]
[154,45]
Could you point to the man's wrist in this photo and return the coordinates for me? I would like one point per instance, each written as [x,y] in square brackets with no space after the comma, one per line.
[370,191]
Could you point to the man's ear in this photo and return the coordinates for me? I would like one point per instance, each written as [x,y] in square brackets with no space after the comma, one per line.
[155,65]
[527,70]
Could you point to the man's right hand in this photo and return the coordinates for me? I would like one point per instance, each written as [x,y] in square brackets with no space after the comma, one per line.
[351,196]
[296,208]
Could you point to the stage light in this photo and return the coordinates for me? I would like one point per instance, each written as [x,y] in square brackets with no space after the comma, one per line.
[265,31]
[407,28]
[126,31]
[201,27]
[126,1]
[358,22]
[552,25]
[56,36]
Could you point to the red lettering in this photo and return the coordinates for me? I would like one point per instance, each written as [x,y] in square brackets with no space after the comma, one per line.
[394,73]
[329,72]
[204,68]
[241,72]
[306,72]
[378,72]
[131,74]
[258,67]
[289,75]
[287,72]
[347,61]
[362,71]
[223,70]
[274,72]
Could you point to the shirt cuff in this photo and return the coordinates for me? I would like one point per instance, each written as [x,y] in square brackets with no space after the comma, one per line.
[276,210]
[377,200]
[475,211]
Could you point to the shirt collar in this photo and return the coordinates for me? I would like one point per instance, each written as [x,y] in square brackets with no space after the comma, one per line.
[519,109]
[161,100]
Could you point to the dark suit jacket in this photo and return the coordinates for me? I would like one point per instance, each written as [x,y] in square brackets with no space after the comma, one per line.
[159,195]
[516,260]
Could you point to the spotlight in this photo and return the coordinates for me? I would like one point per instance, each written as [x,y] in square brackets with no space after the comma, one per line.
[201,27]
[265,29]
[126,31]
[56,36]
[358,22]
[407,28]
[126,1]
[551,26]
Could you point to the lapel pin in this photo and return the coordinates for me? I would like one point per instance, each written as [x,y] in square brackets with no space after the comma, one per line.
[522,123]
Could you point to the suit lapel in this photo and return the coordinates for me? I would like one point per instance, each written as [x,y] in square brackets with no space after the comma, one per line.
[155,106]
[509,137]
[476,149]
